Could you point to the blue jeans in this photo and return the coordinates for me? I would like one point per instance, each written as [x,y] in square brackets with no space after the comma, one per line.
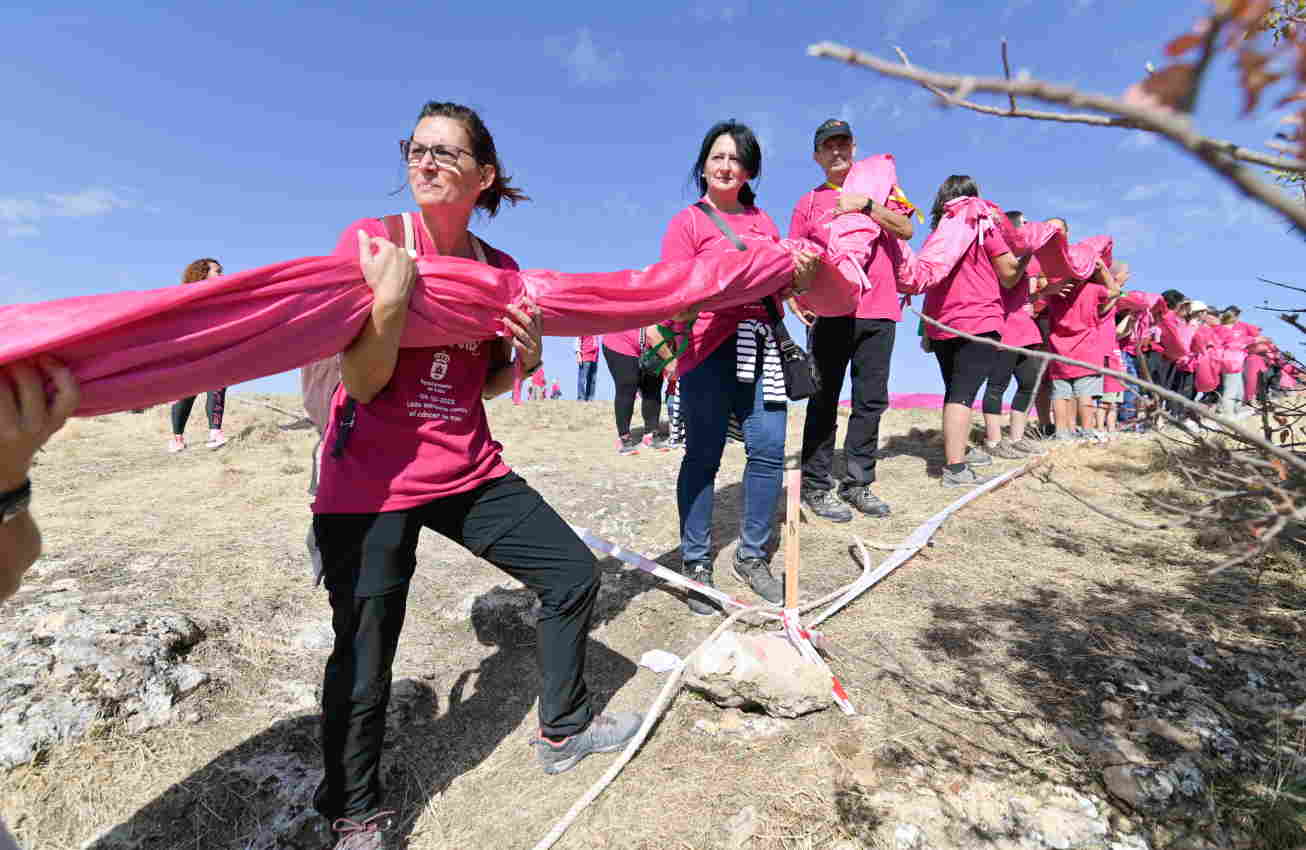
[708,395]
[1129,403]
[585,381]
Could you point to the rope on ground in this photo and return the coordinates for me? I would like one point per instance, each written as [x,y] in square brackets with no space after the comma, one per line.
[651,718]
[902,552]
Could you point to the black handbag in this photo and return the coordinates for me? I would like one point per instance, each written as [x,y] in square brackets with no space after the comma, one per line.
[801,377]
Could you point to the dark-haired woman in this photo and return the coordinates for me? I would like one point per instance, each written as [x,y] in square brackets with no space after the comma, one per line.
[409,447]
[969,299]
[216,400]
[725,369]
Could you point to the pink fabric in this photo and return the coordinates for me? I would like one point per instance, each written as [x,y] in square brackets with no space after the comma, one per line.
[868,252]
[623,342]
[538,379]
[1176,336]
[956,272]
[1057,257]
[1074,329]
[589,349]
[1252,370]
[135,349]
[1233,349]
[1109,383]
[423,437]
[1206,356]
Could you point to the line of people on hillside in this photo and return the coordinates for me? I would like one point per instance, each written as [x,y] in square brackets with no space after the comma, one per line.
[406,443]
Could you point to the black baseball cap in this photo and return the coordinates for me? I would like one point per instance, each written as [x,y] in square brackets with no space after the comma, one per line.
[831,127]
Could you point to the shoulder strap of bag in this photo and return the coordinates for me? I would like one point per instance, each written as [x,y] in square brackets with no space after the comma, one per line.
[710,211]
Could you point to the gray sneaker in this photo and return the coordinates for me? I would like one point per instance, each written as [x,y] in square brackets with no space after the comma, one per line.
[756,573]
[701,572]
[627,445]
[1063,437]
[1029,447]
[606,733]
[826,505]
[367,834]
[965,478]
[1005,449]
[864,500]
[976,457]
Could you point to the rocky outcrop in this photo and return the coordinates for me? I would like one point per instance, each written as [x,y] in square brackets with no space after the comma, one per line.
[759,671]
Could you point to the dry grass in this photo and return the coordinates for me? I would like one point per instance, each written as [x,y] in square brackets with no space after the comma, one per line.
[966,659]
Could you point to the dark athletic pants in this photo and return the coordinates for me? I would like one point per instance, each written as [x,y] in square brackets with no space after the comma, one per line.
[868,345]
[965,365]
[628,378]
[215,403]
[1005,365]
[368,561]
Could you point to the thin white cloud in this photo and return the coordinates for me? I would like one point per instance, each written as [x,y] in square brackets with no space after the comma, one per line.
[1138,140]
[590,65]
[902,15]
[21,215]
[1174,189]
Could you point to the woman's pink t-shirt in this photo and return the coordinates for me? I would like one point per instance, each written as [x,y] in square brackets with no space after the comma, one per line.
[1019,327]
[692,234]
[425,435]
[1074,329]
[810,217]
[623,342]
[970,297]
[589,349]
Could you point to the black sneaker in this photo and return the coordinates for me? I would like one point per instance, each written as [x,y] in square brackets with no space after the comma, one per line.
[367,834]
[756,573]
[861,498]
[606,733]
[826,505]
[701,572]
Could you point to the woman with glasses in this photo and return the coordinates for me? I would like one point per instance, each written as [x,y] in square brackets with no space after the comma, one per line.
[409,447]
[216,401]
[723,371]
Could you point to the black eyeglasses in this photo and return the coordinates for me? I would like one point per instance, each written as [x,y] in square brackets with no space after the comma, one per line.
[442,154]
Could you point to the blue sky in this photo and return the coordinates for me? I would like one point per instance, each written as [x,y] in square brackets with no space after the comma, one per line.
[139,140]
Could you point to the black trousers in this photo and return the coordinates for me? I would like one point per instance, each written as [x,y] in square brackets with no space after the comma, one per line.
[627,378]
[964,365]
[368,561]
[1006,365]
[214,406]
[835,343]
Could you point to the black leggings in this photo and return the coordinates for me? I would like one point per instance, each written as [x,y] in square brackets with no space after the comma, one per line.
[368,561]
[1005,365]
[216,401]
[965,365]
[628,378]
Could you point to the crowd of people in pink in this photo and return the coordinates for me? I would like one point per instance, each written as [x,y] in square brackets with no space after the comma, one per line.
[413,322]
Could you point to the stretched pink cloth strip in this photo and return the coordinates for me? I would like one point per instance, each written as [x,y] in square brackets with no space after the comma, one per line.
[853,236]
[134,349]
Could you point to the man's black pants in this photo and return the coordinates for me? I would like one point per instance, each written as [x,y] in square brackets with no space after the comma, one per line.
[868,345]
[368,562]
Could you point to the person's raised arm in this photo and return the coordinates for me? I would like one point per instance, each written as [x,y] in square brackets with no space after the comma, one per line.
[1114,286]
[368,363]
[898,224]
[27,419]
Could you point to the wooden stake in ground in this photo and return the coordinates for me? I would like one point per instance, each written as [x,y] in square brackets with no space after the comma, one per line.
[794,630]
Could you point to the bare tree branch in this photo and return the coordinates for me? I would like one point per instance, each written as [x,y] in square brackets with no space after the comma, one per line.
[1219,155]
[1189,102]
[1006,72]
[1046,477]
[1284,285]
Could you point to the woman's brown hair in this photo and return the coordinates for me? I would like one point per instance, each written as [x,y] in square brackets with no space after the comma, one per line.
[198,270]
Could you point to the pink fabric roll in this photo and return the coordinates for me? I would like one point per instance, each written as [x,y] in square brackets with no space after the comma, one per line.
[134,349]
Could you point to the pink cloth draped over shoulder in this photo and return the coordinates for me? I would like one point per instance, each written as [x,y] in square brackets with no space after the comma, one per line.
[135,349]
[853,236]
[1207,355]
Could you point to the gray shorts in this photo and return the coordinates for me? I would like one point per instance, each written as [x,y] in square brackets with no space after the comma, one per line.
[1084,387]
[1113,398]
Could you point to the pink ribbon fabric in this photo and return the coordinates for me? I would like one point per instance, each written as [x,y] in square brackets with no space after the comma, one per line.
[134,349]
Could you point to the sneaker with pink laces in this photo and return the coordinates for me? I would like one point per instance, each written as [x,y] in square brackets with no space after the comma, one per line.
[367,834]
[176,444]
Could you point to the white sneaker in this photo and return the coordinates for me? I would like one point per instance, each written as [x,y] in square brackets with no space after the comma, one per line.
[176,444]
[216,440]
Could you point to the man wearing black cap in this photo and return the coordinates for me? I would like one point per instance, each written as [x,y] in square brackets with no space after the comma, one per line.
[864,338]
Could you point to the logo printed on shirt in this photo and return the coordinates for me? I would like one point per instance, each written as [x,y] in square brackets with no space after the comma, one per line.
[439,365]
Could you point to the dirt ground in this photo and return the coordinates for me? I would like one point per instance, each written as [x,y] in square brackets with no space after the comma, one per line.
[968,658]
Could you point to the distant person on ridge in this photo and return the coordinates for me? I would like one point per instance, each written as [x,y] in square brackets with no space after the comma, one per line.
[622,352]
[587,366]
[863,338]
[202,269]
